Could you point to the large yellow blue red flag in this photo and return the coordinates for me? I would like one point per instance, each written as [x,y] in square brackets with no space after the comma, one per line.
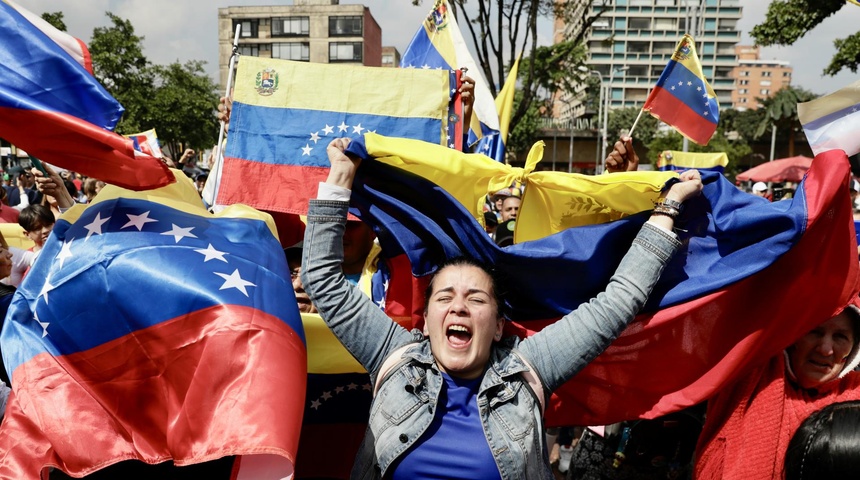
[150,329]
[439,44]
[285,114]
[683,98]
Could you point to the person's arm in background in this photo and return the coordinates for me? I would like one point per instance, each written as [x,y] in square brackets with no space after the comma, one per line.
[53,186]
[23,198]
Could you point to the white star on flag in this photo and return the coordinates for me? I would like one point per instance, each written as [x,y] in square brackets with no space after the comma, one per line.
[328,129]
[698,89]
[211,253]
[316,404]
[342,127]
[138,220]
[689,83]
[179,233]
[234,280]
[315,136]
[47,287]
[673,87]
[680,83]
[95,227]
[326,395]
[65,252]
[306,150]
[425,66]
[357,129]
[44,325]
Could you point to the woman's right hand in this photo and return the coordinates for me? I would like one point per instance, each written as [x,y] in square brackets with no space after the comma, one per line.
[343,167]
[690,186]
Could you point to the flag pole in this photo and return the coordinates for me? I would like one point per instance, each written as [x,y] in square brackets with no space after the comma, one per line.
[630,133]
[211,195]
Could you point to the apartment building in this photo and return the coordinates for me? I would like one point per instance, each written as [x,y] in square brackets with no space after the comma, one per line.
[321,31]
[757,78]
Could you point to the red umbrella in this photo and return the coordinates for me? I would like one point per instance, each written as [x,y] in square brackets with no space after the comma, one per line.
[791,169]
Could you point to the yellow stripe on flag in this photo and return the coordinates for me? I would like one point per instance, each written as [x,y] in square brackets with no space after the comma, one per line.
[325,352]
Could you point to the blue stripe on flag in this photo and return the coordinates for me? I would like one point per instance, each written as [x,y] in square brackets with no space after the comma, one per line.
[684,85]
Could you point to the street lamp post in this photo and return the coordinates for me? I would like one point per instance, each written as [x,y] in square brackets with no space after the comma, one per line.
[612,72]
[600,101]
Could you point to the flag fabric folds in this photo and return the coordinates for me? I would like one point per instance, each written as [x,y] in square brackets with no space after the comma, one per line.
[286,113]
[751,278]
[439,44]
[54,109]
[76,48]
[150,329]
[830,122]
[493,145]
[683,98]
[675,160]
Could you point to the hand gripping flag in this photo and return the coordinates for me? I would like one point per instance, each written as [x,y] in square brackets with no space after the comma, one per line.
[286,113]
[150,329]
[830,122]
[439,44]
[674,160]
[682,97]
[720,306]
[53,108]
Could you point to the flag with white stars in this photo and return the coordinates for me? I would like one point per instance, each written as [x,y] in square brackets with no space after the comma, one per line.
[276,148]
[149,328]
[830,122]
[438,44]
[683,98]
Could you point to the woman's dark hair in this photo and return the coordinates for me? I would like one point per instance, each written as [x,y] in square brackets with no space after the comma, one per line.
[36,216]
[826,445]
[495,281]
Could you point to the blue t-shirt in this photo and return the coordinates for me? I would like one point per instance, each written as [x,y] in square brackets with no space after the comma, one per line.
[454,446]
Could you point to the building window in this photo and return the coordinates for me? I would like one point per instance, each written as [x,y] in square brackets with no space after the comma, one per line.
[251,50]
[745,73]
[344,26]
[765,74]
[290,26]
[743,100]
[743,82]
[764,91]
[344,52]
[765,83]
[742,91]
[786,74]
[388,59]
[299,51]
[639,23]
[249,27]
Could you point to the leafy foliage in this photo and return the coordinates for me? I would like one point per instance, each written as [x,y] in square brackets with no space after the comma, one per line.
[55,19]
[789,20]
[177,100]
[522,136]
[621,119]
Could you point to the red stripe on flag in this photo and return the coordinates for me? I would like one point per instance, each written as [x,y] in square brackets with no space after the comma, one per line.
[263,185]
[665,106]
[74,144]
[227,380]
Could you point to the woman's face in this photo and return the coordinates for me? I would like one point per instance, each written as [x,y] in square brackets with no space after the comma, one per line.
[819,356]
[462,320]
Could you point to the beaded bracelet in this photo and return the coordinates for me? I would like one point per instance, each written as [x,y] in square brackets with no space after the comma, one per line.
[667,210]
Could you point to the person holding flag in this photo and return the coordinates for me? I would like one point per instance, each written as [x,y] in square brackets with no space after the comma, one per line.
[456,400]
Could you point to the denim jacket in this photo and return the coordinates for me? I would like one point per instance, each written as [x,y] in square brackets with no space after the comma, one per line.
[510,410]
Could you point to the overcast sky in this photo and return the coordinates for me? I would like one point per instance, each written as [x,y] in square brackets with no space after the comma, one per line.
[187,29]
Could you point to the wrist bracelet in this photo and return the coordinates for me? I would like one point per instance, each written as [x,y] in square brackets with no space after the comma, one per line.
[671,203]
[663,209]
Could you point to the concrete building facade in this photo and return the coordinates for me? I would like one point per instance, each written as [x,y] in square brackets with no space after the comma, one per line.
[321,31]
[757,78]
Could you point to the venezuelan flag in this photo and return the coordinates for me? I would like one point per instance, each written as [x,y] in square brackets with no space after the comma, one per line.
[830,122]
[150,329]
[674,160]
[439,44]
[53,108]
[719,308]
[683,98]
[286,113]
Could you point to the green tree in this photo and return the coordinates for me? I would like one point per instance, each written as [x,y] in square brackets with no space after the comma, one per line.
[780,112]
[522,136]
[183,107]
[55,19]
[789,20]
[120,65]
[621,119]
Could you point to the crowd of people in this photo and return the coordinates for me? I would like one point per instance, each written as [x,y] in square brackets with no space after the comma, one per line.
[457,398]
